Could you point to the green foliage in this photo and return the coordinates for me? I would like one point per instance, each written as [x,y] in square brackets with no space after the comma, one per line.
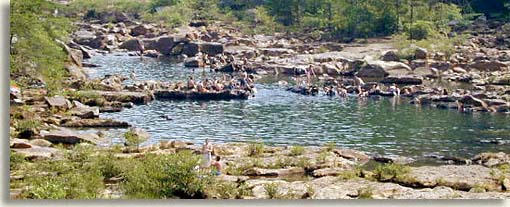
[74,177]
[34,51]
[92,7]
[272,190]
[15,160]
[330,146]
[255,149]
[365,193]
[109,165]
[166,176]
[133,139]
[296,150]
[228,190]
[171,16]
[24,125]
[420,30]
[391,172]
[433,44]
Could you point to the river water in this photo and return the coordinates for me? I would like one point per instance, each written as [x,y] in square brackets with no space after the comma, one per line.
[389,126]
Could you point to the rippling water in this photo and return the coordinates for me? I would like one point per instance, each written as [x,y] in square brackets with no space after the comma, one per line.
[278,117]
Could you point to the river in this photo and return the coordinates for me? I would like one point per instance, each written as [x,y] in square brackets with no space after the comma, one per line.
[389,126]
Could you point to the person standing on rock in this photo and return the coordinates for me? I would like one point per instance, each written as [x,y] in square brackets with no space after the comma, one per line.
[207,152]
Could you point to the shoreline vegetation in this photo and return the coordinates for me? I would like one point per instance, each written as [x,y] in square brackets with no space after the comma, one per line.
[341,42]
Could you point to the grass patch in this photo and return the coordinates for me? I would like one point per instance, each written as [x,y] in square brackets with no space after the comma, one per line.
[296,150]
[255,149]
[391,172]
[365,193]
[329,146]
[272,190]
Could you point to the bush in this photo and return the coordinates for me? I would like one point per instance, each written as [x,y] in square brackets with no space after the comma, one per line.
[391,172]
[133,139]
[170,16]
[421,30]
[27,128]
[15,160]
[365,193]
[272,190]
[109,165]
[296,150]
[255,149]
[166,176]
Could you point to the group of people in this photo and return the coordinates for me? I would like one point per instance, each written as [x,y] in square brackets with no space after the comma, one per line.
[245,82]
[360,88]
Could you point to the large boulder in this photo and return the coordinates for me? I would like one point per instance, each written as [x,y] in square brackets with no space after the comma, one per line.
[40,143]
[211,48]
[83,111]
[76,71]
[390,56]
[66,136]
[132,45]
[58,102]
[420,53]
[372,71]
[165,44]
[191,49]
[87,38]
[150,43]
[142,29]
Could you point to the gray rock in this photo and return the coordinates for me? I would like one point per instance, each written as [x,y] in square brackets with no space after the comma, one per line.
[190,49]
[20,143]
[96,123]
[390,56]
[132,45]
[40,142]
[40,153]
[274,172]
[58,102]
[165,45]
[211,48]
[66,136]
[460,177]
[420,53]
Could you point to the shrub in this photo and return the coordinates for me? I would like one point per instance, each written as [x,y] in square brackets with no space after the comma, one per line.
[330,146]
[420,30]
[166,176]
[365,193]
[109,166]
[272,190]
[26,128]
[255,149]
[391,172]
[296,150]
[15,160]
[133,139]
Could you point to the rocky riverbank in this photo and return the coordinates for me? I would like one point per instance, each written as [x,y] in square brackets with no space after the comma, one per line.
[39,122]
[296,172]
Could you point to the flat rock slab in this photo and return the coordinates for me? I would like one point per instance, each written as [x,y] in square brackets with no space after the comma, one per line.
[460,177]
[353,155]
[58,102]
[69,137]
[125,96]
[274,172]
[231,178]
[40,153]
[20,143]
[330,171]
[98,123]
